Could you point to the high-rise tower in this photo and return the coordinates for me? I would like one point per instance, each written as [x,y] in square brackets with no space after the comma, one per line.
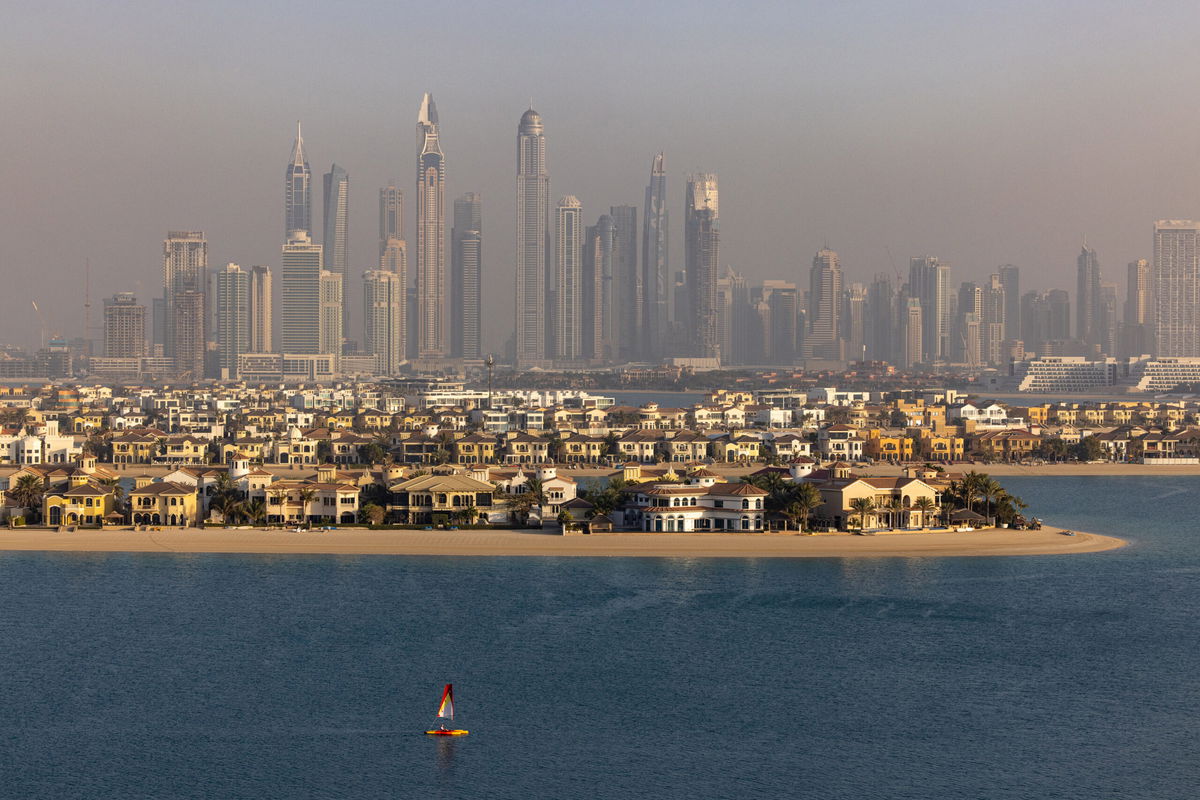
[627,285]
[533,208]
[185,267]
[1010,277]
[261,316]
[568,279]
[233,318]
[300,296]
[466,256]
[391,215]
[431,234]
[825,306]
[656,269]
[336,242]
[383,319]
[1177,287]
[702,256]
[1087,297]
[929,282]
[297,191]
[124,327]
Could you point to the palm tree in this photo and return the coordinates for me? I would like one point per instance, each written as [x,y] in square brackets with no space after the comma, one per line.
[925,506]
[28,492]
[861,507]
[254,511]
[989,490]
[806,498]
[895,508]
[306,495]
[279,496]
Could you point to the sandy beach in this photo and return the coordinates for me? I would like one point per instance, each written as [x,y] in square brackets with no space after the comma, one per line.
[1047,541]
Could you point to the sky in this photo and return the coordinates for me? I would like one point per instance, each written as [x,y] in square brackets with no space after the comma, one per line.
[980,133]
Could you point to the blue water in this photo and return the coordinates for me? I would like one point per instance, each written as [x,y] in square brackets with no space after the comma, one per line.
[156,676]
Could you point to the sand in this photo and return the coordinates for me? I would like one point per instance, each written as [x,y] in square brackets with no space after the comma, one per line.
[1047,541]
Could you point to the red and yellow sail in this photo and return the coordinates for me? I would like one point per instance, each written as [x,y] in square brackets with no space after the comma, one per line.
[446,707]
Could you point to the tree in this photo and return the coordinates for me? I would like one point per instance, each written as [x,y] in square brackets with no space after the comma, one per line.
[372,454]
[1088,449]
[306,495]
[372,513]
[895,509]
[925,506]
[324,451]
[861,507]
[27,492]
[806,498]
[255,511]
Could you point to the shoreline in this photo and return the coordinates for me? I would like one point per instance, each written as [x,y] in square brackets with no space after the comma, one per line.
[361,541]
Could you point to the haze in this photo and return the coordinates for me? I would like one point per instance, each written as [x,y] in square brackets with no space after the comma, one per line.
[983,136]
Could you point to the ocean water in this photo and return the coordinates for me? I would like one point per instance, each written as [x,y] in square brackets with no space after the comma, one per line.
[157,676]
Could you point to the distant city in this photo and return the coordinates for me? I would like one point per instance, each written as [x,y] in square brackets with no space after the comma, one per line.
[608,295]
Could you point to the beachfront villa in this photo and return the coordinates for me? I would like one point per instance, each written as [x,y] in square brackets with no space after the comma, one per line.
[441,500]
[701,504]
[86,503]
[164,504]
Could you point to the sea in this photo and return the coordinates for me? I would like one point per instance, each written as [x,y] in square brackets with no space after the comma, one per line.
[211,676]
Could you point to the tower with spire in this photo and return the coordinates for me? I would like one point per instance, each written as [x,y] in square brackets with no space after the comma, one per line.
[297,191]
[431,234]
[533,210]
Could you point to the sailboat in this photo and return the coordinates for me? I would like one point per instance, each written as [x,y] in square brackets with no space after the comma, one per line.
[446,711]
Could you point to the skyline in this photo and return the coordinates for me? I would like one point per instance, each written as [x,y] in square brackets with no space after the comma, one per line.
[971,156]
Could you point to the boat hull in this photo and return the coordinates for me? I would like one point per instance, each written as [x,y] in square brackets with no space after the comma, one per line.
[447,733]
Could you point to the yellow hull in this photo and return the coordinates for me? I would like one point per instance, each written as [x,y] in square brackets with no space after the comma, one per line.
[447,733]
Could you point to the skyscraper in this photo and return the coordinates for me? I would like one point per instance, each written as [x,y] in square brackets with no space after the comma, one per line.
[533,208]
[124,327]
[656,268]
[297,191]
[880,324]
[300,296]
[261,316]
[336,243]
[825,305]
[627,285]
[568,279]
[1010,278]
[466,257]
[992,331]
[391,215]
[383,319]
[1177,287]
[912,333]
[233,318]
[330,313]
[1136,331]
[1087,297]
[185,266]
[431,234]
[702,257]
[929,282]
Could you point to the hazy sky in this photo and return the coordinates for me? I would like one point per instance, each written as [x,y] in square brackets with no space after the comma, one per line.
[980,133]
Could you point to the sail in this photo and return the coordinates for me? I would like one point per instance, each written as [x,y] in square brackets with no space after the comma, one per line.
[446,707]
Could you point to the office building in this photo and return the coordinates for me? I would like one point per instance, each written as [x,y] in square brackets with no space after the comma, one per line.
[330,312]
[391,215]
[1087,297]
[300,296]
